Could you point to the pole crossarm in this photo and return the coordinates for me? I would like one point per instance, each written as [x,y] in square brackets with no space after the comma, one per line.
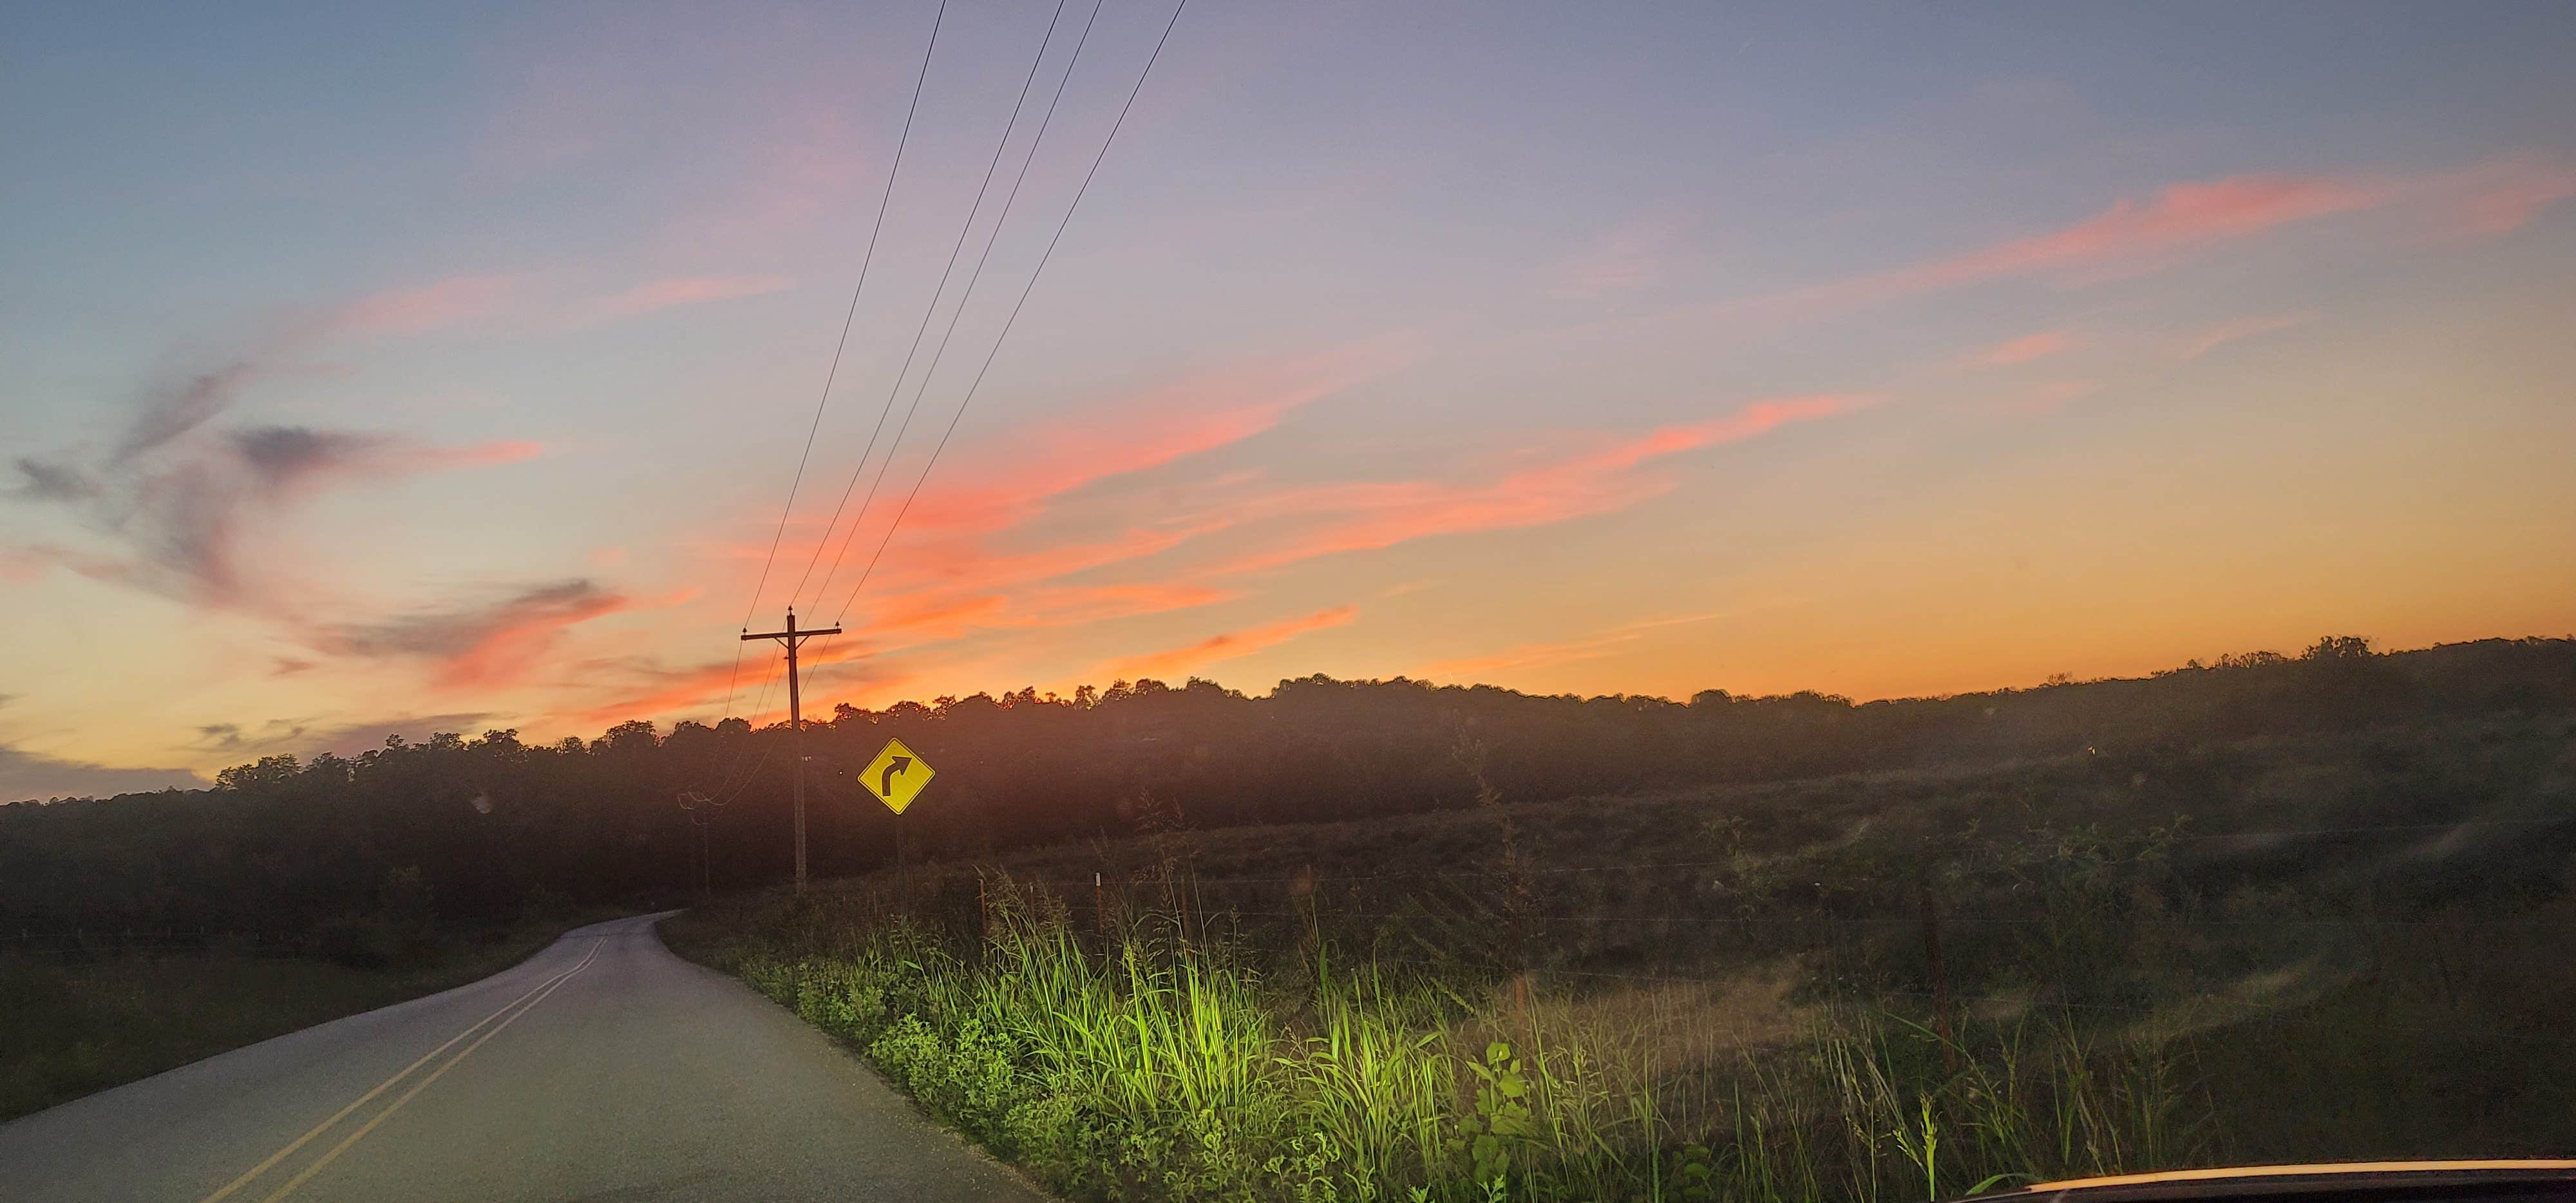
[799,636]
[794,638]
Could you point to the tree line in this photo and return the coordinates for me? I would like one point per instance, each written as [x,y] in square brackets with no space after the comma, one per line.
[465,831]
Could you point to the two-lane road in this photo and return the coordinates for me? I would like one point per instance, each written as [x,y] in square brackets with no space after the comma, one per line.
[604,1068]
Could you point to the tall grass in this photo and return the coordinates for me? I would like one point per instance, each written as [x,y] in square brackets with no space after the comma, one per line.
[1166,1062]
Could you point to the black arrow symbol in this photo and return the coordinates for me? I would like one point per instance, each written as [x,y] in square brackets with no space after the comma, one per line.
[885,782]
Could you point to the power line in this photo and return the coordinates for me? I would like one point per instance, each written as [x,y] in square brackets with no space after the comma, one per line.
[931,310]
[1016,306]
[846,320]
[940,353]
[832,374]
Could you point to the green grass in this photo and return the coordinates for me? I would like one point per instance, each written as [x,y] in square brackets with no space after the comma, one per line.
[1731,994]
[1150,1069]
[73,1025]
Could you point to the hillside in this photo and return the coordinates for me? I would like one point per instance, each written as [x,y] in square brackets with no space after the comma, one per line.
[2336,943]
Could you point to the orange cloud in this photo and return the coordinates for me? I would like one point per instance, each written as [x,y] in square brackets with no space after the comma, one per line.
[1228,646]
[1597,483]
[479,645]
[954,564]
[2020,350]
[908,620]
[1148,430]
[674,690]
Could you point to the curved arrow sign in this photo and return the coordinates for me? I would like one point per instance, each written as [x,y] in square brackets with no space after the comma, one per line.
[896,776]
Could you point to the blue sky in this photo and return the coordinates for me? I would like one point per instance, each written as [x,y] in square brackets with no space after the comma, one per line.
[1875,349]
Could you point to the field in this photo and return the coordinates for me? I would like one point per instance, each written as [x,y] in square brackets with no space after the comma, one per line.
[1877,987]
[77,1021]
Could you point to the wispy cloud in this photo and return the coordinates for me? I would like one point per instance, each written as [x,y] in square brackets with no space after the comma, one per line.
[43,480]
[1382,515]
[2020,350]
[2178,221]
[528,300]
[2178,218]
[187,506]
[650,691]
[654,295]
[479,644]
[438,305]
[232,739]
[2132,236]
[2504,194]
[1125,435]
[1228,646]
[1623,260]
[2242,328]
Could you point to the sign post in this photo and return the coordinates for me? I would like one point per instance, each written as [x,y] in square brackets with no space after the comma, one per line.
[897,777]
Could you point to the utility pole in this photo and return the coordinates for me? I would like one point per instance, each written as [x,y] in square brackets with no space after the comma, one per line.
[796,725]
[702,811]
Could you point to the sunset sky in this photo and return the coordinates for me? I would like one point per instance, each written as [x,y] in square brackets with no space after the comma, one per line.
[446,369]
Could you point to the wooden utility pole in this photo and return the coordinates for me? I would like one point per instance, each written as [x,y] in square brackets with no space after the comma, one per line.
[796,725]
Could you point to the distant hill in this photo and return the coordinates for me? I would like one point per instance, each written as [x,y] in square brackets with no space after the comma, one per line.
[491,823]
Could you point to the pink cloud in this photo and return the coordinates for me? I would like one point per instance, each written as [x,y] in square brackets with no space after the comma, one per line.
[2132,235]
[2020,350]
[477,455]
[1599,482]
[464,300]
[947,552]
[436,306]
[2181,216]
[2502,195]
[1231,645]
[2138,234]
[653,295]
[1131,434]
[2242,328]
[478,645]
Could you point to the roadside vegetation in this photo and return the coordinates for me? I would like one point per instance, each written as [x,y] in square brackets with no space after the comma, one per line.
[1871,987]
[77,1018]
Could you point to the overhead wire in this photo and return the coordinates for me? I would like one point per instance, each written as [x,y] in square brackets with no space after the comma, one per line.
[1013,319]
[831,375]
[964,298]
[847,319]
[931,310]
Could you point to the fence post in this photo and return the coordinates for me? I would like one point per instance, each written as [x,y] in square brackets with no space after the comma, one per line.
[1940,979]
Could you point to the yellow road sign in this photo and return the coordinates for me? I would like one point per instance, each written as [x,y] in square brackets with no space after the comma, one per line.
[896,775]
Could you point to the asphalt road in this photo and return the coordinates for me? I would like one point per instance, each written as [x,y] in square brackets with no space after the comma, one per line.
[602,1070]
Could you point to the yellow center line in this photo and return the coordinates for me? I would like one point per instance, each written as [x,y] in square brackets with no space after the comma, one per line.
[388,1084]
[306,1174]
